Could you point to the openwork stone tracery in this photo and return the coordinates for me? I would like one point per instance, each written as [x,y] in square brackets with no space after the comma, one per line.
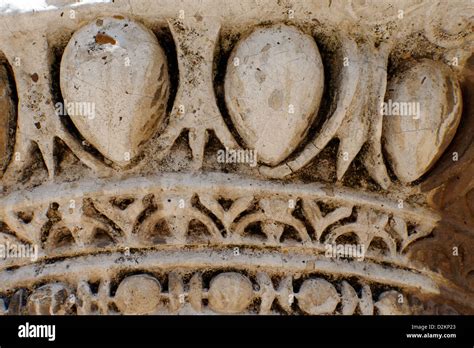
[113,118]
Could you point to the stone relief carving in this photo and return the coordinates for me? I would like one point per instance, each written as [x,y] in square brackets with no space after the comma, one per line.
[225,158]
[107,45]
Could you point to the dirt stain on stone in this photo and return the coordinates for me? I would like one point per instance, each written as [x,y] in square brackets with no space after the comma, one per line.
[260,76]
[103,39]
[266,48]
[275,101]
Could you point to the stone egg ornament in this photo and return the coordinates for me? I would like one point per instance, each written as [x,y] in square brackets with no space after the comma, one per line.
[317,296]
[423,110]
[115,84]
[273,86]
[230,293]
[138,294]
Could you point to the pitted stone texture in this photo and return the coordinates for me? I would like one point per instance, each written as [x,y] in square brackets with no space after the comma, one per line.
[415,142]
[273,88]
[119,67]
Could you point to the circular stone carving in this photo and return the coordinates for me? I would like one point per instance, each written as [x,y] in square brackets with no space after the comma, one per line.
[49,299]
[230,293]
[115,85]
[415,140]
[392,303]
[138,294]
[449,26]
[317,296]
[273,87]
